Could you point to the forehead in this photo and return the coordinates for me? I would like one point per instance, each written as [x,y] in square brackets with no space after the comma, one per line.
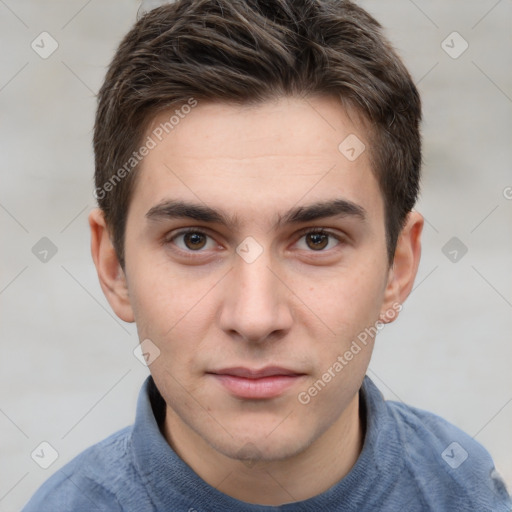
[260,159]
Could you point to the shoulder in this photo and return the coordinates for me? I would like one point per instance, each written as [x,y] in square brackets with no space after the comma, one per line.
[441,458]
[92,481]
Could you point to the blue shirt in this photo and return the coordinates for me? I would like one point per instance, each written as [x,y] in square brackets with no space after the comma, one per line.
[411,461]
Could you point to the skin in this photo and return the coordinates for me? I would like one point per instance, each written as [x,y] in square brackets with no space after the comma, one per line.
[297,305]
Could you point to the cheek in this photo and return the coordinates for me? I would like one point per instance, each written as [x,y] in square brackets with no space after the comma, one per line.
[163,298]
[348,300]
[174,312]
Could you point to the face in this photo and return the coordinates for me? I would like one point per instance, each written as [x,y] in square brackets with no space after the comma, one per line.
[255,257]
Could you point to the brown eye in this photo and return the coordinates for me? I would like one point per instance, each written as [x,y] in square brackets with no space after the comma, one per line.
[194,241]
[317,241]
[191,240]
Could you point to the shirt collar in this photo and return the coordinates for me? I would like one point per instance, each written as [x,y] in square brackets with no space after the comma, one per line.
[167,476]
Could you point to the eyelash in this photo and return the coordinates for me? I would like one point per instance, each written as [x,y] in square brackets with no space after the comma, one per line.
[322,231]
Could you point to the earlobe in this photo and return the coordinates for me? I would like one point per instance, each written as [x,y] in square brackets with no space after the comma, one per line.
[405,267]
[110,274]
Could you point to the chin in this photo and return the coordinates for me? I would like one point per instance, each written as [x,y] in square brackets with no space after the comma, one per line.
[261,448]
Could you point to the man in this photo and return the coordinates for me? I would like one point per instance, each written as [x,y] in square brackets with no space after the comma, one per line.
[257,165]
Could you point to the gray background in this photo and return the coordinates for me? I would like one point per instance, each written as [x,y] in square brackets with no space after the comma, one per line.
[68,373]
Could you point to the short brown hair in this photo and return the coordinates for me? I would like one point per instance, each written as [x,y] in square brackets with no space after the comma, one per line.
[250,51]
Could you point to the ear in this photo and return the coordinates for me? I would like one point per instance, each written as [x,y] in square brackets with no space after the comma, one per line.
[111,275]
[405,267]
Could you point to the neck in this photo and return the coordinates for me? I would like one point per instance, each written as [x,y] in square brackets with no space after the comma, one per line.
[326,461]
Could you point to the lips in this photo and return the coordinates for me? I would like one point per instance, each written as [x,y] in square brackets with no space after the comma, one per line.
[247,373]
[268,382]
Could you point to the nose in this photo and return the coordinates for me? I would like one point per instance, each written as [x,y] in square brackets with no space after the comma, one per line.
[256,306]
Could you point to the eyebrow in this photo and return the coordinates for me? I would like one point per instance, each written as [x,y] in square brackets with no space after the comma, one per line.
[176,209]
